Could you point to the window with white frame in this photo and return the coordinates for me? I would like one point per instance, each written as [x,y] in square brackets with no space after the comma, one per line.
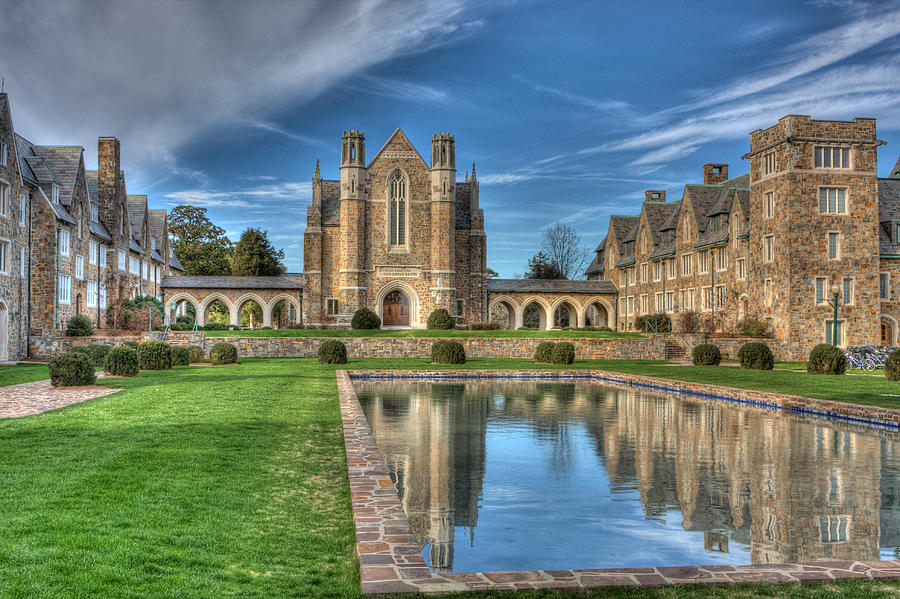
[630,304]
[769,205]
[832,157]
[768,248]
[741,269]
[95,213]
[720,296]
[4,153]
[832,200]
[54,193]
[22,262]
[92,252]
[91,300]
[884,286]
[670,268]
[702,262]
[670,300]
[821,285]
[158,278]
[102,295]
[769,163]
[849,289]
[4,199]
[134,265]
[145,272]
[768,292]
[4,256]
[644,304]
[721,257]
[656,270]
[644,273]
[23,209]
[64,242]
[121,259]
[658,302]
[79,267]
[829,330]
[101,251]
[687,264]
[834,245]
[65,289]
[707,298]
[684,302]
[622,280]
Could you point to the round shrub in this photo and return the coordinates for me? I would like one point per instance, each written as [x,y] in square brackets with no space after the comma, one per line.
[223,353]
[753,327]
[181,356]
[756,356]
[132,344]
[155,355]
[98,354]
[122,361]
[79,326]
[365,319]
[332,352]
[446,351]
[71,370]
[706,354]
[827,359]
[563,353]
[440,319]
[196,353]
[84,350]
[543,353]
[892,366]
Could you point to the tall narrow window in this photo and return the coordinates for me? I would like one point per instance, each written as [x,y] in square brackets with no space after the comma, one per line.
[398,209]
[834,246]
[769,205]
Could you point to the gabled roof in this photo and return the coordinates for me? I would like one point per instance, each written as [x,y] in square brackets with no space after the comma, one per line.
[157,220]
[175,263]
[137,204]
[401,136]
[59,211]
[888,211]
[549,286]
[657,214]
[134,246]
[623,227]
[154,255]
[100,231]
[63,161]
[93,185]
[23,151]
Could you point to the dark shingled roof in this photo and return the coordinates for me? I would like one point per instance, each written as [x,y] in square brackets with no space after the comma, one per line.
[285,281]
[62,161]
[93,185]
[137,204]
[175,263]
[100,231]
[549,286]
[888,210]
[134,246]
[595,266]
[624,227]
[726,193]
[895,173]
[23,151]
[657,214]
[157,220]
[155,256]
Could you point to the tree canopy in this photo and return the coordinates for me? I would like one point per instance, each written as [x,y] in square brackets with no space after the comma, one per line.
[201,247]
[564,252]
[255,256]
[540,267]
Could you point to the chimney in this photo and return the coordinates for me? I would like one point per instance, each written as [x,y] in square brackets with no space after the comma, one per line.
[655,195]
[714,173]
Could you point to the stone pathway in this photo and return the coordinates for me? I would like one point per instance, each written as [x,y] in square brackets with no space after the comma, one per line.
[26,399]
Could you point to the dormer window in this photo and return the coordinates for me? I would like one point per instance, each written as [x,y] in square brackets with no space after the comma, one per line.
[95,213]
[714,223]
[54,193]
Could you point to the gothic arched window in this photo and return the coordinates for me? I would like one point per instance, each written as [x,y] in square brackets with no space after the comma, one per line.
[397,186]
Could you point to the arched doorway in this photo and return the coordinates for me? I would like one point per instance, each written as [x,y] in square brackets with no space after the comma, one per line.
[534,316]
[395,309]
[887,332]
[565,315]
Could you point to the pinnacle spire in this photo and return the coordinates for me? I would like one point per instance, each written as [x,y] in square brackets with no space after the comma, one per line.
[473,169]
[318,174]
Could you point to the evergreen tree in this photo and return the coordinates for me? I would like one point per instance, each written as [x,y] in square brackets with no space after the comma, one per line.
[254,256]
[540,267]
[201,246]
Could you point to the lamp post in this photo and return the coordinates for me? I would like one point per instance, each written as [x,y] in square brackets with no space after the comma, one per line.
[835,291]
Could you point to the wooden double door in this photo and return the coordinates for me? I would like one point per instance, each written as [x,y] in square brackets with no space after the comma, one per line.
[395,309]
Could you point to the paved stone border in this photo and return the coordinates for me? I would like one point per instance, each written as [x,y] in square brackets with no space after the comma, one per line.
[390,558]
[27,399]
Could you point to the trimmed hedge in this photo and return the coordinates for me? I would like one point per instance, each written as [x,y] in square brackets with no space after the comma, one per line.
[181,356]
[827,359]
[122,361]
[223,353]
[332,352]
[543,353]
[79,326]
[214,326]
[756,356]
[365,319]
[446,351]
[754,327]
[563,353]
[440,319]
[485,326]
[196,353]
[892,366]
[155,355]
[71,370]
[706,354]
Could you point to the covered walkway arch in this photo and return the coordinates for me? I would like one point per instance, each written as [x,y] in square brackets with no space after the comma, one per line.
[584,303]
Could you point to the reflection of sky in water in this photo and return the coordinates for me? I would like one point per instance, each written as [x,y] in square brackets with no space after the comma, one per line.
[517,476]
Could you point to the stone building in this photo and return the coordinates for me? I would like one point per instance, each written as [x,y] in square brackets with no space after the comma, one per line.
[396,235]
[70,242]
[810,214]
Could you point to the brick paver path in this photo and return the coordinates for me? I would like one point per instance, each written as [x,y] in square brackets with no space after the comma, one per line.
[26,399]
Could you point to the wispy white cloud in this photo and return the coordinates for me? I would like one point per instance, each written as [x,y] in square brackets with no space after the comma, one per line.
[297,193]
[574,98]
[504,178]
[403,90]
[276,128]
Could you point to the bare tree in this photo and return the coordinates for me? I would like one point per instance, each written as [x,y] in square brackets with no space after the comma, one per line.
[563,248]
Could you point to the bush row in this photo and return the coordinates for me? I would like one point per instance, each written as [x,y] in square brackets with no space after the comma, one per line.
[548,352]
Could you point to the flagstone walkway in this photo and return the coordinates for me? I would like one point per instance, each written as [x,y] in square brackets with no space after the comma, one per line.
[26,399]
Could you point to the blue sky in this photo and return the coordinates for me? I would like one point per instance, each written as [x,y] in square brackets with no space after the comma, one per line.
[570,110]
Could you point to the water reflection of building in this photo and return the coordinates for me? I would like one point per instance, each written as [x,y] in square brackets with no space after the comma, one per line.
[792,488]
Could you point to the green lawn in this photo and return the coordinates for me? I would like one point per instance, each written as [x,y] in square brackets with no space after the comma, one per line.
[412,333]
[22,373]
[194,483]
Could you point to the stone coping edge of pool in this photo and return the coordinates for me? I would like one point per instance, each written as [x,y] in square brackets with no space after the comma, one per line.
[390,560]
[888,418]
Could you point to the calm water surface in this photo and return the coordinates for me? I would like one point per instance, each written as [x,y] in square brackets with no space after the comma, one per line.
[523,475]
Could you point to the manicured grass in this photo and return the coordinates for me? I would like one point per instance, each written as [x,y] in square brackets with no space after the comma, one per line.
[413,333]
[801,365]
[230,481]
[23,373]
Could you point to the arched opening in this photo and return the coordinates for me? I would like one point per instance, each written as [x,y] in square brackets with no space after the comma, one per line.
[565,315]
[217,312]
[4,332]
[395,309]
[743,308]
[534,316]
[250,314]
[596,315]
[888,331]
[504,314]
[284,314]
[185,312]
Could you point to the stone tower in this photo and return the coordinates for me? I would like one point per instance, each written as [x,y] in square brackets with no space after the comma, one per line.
[312,253]
[443,220]
[352,292]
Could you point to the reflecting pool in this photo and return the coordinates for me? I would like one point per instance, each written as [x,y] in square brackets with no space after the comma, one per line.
[525,475]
